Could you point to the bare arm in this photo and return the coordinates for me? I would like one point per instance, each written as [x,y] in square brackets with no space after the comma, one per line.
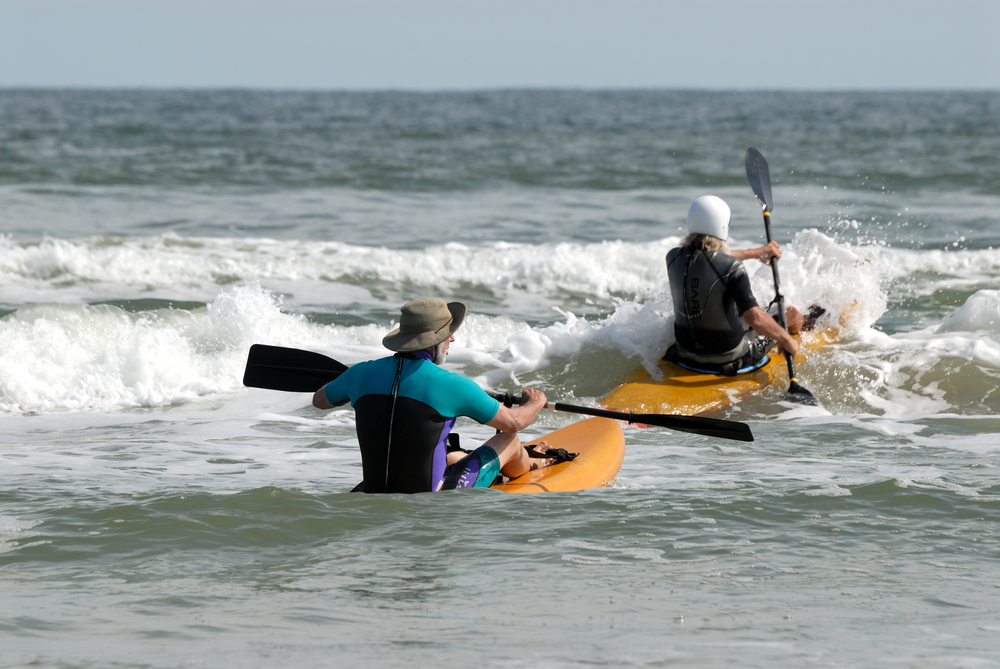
[320,401]
[515,419]
[761,253]
[763,324]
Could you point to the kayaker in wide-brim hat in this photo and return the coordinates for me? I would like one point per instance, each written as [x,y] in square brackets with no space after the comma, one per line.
[424,323]
[406,405]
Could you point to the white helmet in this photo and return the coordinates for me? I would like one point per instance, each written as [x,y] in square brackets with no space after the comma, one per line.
[709,215]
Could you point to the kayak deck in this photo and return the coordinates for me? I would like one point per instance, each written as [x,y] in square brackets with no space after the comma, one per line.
[681,391]
[601,447]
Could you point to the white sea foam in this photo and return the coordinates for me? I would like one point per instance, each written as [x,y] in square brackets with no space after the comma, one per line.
[172,267]
[65,353]
[62,357]
[949,365]
[178,268]
[927,272]
[829,491]
[979,314]
[13,532]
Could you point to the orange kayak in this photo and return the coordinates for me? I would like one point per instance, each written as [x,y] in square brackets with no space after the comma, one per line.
[681,391]
[601,447]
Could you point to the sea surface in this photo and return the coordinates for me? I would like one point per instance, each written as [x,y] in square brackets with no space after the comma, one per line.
[155,513]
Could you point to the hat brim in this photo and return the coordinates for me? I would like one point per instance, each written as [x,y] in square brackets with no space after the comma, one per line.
[403,343]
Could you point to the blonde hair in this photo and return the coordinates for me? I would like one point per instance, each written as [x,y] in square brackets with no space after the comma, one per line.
[706,243]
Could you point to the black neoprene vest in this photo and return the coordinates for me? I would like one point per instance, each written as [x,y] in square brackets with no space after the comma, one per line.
[416,430]
[710,291]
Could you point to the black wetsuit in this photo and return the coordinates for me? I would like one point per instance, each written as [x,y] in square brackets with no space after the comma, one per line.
[418,402]
[710,292]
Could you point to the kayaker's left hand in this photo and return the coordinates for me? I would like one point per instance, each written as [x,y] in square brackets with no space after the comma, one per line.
[788,344]
[794,320]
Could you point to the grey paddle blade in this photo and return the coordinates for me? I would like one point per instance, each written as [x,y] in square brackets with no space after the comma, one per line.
[759,177]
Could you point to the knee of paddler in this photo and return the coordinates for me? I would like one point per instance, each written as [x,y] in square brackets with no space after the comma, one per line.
[794,319]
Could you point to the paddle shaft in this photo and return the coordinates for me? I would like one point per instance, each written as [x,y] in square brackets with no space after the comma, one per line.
[759,177]
[778,297]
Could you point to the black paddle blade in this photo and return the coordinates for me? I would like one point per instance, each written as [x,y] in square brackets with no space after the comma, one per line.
[289,369]
[710,427]
[797,393]
[800,395]
[759,177]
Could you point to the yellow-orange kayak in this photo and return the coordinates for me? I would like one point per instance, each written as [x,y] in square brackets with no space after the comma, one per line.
[601,447]
[681,391]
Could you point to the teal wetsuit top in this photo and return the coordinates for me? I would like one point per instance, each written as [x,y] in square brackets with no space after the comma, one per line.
[427,403]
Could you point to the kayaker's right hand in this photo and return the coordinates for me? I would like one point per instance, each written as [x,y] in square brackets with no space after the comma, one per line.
[515,419]
[531,395]
[788,344]
[763,324]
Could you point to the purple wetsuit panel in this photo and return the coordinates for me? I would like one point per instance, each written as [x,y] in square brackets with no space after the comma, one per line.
[441,455]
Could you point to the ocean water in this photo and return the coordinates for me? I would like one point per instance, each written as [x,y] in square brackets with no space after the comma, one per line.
[155,513]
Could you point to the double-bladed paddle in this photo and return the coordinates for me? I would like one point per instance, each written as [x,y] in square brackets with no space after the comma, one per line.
[295,370]
[759,177]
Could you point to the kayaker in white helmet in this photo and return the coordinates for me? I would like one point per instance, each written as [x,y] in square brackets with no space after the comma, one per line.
[711,293]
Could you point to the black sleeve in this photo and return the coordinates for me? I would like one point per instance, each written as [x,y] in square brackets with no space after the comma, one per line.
[739,287]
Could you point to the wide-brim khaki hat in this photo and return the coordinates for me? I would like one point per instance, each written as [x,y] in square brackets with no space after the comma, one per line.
[425,322]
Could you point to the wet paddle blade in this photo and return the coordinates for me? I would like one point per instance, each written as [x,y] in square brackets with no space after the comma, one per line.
[800,395]
[759,177]
[710,427]
[289,369]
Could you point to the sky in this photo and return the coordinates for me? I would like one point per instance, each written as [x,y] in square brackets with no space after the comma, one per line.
[484,44]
